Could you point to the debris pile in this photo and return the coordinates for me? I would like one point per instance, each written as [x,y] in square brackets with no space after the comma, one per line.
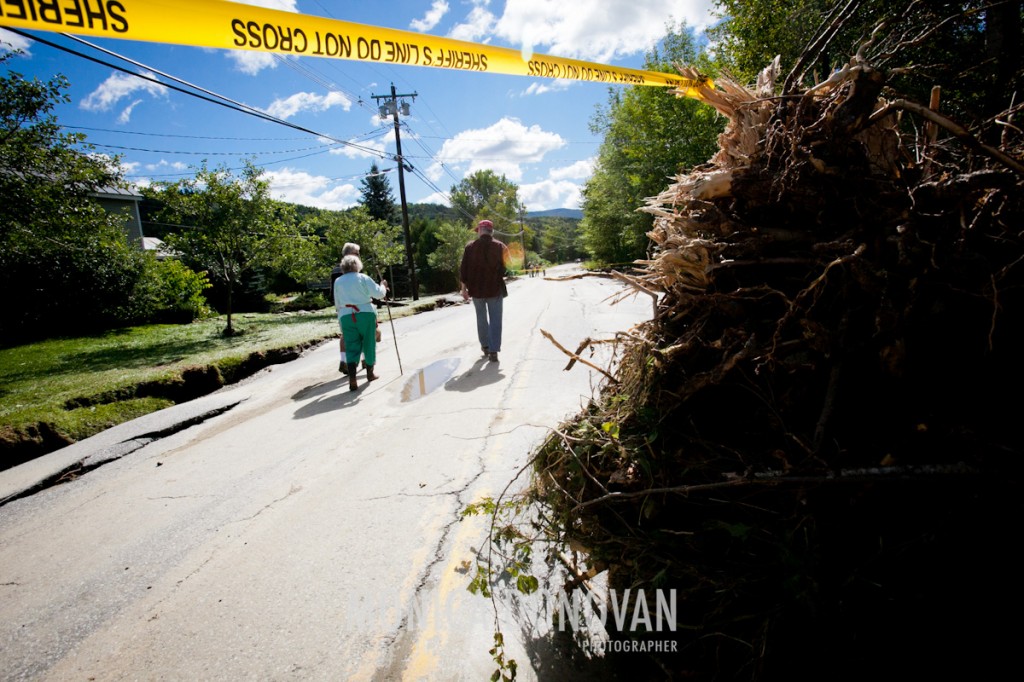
[814,442]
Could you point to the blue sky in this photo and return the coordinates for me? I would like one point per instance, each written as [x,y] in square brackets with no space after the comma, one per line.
[534,131]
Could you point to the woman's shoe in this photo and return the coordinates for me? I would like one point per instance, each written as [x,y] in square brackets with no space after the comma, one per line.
[352,383]
[370,376]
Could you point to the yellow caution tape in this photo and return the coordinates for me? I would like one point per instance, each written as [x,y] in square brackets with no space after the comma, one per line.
[231,25]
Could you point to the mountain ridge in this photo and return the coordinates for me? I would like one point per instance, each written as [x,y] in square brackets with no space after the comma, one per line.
[557,213]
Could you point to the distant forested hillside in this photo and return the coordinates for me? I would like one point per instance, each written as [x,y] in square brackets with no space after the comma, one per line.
[573,213]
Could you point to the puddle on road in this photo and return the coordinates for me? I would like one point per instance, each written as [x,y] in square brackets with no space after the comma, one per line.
[429,379]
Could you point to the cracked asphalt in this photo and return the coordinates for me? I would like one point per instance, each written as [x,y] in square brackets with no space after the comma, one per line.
[289,529]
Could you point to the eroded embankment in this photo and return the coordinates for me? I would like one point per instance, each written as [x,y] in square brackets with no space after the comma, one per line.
[24,443]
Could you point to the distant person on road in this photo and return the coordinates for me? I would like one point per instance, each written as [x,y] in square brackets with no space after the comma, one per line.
[482,274]
[353,296]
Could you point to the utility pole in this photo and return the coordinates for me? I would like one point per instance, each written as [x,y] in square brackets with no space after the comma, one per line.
[391,107]
[522,232]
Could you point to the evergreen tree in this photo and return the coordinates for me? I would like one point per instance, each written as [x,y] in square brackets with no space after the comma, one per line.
[377,196]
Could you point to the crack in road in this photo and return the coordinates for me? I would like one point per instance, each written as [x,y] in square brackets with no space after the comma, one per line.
[397,660]
[446,493]
[294,489]
[114,453]
[398,642]
[499,433]
[178,497]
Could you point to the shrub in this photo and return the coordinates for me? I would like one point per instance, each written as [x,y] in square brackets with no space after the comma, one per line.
[307,300]
[169,291]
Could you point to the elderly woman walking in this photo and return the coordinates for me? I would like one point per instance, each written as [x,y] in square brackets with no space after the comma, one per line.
[353,294]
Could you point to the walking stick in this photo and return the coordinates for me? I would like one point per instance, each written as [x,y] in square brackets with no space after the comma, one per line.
[392,321]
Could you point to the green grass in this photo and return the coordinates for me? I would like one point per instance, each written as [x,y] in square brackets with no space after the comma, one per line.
[38,379]
[101,372]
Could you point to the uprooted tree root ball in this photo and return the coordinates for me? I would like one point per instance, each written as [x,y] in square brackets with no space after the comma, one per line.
[815,441]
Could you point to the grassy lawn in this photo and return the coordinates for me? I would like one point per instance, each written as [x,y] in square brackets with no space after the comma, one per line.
[37,381]
[72,388]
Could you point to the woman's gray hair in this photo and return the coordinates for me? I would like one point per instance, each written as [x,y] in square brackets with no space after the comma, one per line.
[351,263]
[350,249]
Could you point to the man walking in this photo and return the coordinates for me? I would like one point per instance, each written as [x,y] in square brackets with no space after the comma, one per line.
[483,279]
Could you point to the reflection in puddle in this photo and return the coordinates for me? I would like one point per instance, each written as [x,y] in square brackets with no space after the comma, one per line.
[429,378]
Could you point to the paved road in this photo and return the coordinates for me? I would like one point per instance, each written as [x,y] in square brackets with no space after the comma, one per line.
[299,531]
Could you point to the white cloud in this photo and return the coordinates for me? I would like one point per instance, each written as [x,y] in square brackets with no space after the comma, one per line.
[548,194]
[126,113]
[104,158]
[595,31]
[12,41]
[283,5]
[559,189]
[251,63]
[581,170]
[367,148]
[307,101]
[163,171]
[435,198]
[299,187]
[503,147]
[542,87]
[431,18]
[371,149]
[477,27]
[163,166]
[117,87]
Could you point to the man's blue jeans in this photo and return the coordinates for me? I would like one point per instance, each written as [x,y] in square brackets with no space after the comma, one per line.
[488,322]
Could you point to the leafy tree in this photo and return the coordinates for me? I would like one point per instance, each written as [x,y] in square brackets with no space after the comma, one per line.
[430,212]
[751,34]
[169,291]
[65,264]
[452,239]
[609,223]
[973,54]
[296,249]
[558,239]
[486,195]
[228,225]
[377,196]
[380,243]
[423,233]
[649,135]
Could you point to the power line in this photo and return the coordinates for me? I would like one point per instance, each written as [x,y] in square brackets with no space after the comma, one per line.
[189,137]
[320,149]
[221,100]
[206,95]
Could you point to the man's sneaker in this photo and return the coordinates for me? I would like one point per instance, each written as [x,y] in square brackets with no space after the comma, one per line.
[341,367]
[492,356]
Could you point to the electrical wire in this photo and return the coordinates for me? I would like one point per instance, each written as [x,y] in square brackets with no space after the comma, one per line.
[319,150]
[195,137]
[215,98]
[206,95]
